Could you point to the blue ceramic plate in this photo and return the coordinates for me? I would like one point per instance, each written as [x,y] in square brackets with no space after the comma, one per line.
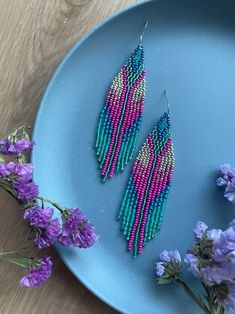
[190,50]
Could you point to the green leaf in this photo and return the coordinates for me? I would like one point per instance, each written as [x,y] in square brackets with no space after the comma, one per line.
[22,262]
[163,281]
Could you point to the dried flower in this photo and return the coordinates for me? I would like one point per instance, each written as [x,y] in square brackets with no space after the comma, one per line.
[77,230]
[14,170]
[23,170]
[38,216]
[227,172]
[224,247]
[8,147]
[23,145]
[169,266]
[211,260]
[200,229]
[214,234]
[230,191]
[45,237]
[45,229]
[225,294]
[4,172]
[220,272]
[26,190]
[16,178]
[193,262]
[39,271]
[160,269]
[227,179]
[170,256]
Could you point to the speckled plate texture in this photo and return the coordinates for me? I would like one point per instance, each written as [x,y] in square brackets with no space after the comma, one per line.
[189,50]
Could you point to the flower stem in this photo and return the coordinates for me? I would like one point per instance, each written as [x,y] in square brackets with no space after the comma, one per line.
[192,295]
[209,297]
[4,185]
[17,260]
[11,252]
[7,188]
[56,205]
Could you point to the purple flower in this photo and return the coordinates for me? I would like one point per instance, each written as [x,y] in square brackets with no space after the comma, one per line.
[227,171]
[217,274]
[26,190]
[192,261]
[160,269]
[38,273]
[38,217]
[7,147]
[224,247]
[167,256]
[45,237]
[4,172]
[46,231]
[169,266]
[221,277]
[23,145]
[230,191]
[214,234]
[20,169]
[232,223]
[17,169]
[225,293]
[77,230]
[227,180]
[200,229]
[221,182]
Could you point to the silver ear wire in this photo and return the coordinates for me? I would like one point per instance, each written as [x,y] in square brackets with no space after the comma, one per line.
[167,102]
[142,35]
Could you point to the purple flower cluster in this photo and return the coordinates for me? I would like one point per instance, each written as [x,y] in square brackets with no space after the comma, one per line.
[224,247]
[227,180]
[77,230]
[45,229]
[169,266]
[26,190]
[16,177]
[200,229]
[8,147]
[39,271]
[20,175]
[212,260]
[16,169]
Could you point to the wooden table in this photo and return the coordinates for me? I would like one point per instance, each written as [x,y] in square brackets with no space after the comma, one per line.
[34,36]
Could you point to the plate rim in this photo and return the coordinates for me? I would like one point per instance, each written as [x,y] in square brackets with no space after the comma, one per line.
[36,129]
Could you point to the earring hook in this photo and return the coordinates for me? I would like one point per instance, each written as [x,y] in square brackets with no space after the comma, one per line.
[167,102]
[142,35]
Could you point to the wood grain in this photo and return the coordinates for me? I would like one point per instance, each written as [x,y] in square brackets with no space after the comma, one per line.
[34,36]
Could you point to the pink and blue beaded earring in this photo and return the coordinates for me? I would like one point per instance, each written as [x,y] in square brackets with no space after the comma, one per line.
[121,116]
[145,198]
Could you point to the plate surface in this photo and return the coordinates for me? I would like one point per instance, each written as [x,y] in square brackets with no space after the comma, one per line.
[190,50]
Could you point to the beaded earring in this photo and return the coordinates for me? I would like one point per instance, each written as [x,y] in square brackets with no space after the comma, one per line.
[145,198]
[121,116]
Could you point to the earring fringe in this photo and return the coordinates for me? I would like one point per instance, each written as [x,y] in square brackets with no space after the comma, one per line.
[121,116]
[145,198]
